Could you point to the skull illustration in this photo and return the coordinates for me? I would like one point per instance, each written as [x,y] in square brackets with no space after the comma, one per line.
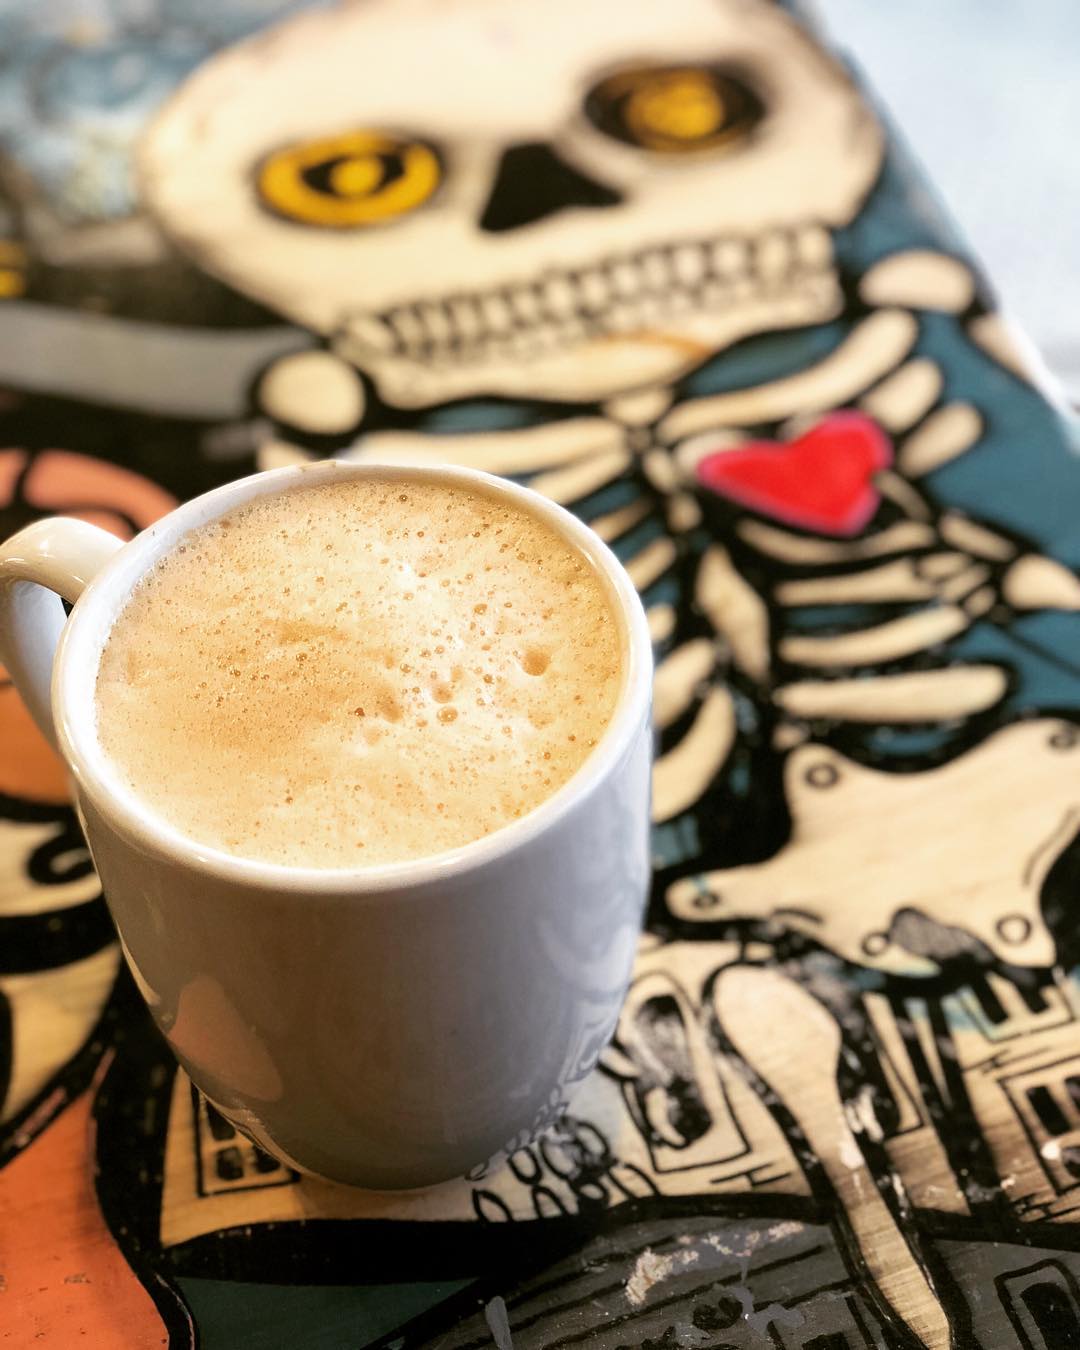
[560,201]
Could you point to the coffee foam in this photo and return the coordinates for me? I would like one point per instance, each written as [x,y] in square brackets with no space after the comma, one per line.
[358,673]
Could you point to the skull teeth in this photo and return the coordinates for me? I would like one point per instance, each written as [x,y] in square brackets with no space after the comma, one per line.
[624,279]
[729,258]
[657,271]
[497,315]
[466,322]
[814,244]
[688,262]
[559,298]
[594,291]
[619,295]
[526,307]
[774,255]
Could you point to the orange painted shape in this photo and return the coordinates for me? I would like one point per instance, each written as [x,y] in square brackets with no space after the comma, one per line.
[63,1280]
[11,465]
[28,765]
[78,485]
[60,480]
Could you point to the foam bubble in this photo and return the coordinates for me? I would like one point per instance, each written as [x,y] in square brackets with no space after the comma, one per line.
[359,673]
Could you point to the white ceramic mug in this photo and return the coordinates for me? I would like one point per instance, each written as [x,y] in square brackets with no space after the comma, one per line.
[387,1026]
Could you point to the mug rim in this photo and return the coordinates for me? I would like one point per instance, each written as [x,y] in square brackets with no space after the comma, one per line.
[79,651]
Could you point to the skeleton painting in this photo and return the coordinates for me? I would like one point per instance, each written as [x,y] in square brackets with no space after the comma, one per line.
[664,264]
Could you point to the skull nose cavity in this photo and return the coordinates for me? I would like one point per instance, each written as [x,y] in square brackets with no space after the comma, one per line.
[533,182]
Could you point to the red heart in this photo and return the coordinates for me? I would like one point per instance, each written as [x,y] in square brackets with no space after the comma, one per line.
[823,481]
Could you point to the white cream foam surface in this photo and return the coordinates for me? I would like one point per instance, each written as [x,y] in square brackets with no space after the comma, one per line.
[358,673]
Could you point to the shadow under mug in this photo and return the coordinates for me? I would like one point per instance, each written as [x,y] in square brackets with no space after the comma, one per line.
[390,1026]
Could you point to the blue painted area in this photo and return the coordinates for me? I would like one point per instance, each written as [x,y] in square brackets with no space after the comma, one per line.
[1026,445]
[1042,653]
[769,357]
[78,83]
[482,415]
[1038,647]
[823,619]
[632,542]
[1025,472]
[890,745]
[221,21]
[666,591]
[901,212]
[620,493]
[675,841]
[739,779]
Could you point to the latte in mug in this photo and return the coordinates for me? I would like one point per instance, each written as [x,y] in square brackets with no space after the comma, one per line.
[359,672]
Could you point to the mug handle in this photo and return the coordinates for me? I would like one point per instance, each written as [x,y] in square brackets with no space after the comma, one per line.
[44,564]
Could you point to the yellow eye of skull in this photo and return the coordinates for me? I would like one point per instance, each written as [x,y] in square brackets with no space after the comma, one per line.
[674,109]
[354,179]
[684,106]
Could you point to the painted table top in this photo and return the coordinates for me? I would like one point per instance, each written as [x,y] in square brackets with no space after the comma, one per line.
[666,264]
